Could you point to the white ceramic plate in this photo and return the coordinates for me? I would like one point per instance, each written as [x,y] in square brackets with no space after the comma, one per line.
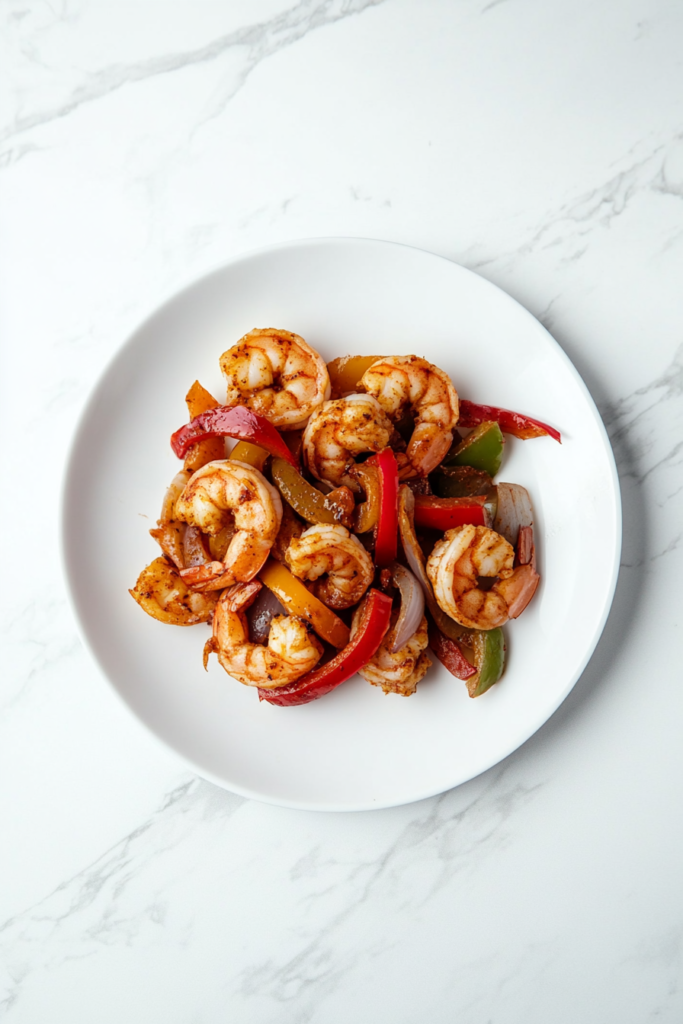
[355,748]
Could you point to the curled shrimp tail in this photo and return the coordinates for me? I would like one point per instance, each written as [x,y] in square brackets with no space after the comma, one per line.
[518,590]
[402,383]
[210,647]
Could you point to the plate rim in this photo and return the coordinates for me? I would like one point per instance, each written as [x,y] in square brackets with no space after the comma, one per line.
[69,574]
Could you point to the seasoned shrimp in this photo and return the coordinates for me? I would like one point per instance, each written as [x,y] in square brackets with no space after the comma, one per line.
[184,545]
[324,548]
[464,554]
[277,375]
[402,383]
[218,495]
[340,430]
[162,593]
[402,671]
[292,651]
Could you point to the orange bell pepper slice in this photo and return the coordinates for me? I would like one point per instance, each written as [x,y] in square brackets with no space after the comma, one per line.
[297,600]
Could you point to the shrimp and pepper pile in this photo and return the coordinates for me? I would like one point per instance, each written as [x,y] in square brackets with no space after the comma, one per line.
[353,527]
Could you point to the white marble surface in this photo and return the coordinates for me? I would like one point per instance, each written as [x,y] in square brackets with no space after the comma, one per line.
[539,144]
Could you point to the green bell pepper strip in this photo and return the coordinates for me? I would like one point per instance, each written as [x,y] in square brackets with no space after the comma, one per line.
[460,481]
[488,647]
[482,449]
[305,499]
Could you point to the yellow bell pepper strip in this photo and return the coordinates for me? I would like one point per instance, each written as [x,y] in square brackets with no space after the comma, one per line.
[346,371]
[524,427]
[305,499]
[200,400]
[482,449]
[374,622]
[245,451]
[231,421]
[367,513]
[444,513]
[219,543]
[292,594]
[386,536]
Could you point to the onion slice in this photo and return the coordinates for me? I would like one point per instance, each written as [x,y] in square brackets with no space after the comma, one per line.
[261,614]
[411,548]
[415,559]
[412,605]
[514,510]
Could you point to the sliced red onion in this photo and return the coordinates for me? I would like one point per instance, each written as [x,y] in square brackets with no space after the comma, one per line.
[412,605]
[411,548]
[514,510]
[415,559]
[261,613]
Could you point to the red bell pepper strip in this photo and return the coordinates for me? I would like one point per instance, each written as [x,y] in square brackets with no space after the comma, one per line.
[374,623]
[232,421]
[445,513]
[524,427]
[386,537]
[449,654]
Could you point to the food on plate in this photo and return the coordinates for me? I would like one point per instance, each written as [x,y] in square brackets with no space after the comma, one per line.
[341,430]
[335,561]
[162,593]
[398,670]
[370,530]
[230,494]
[291,651]
[276,374]
[454,567]
[410,385]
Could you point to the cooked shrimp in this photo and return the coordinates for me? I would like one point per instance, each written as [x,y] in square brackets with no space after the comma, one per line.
[402,671]
[402,383]
[340,430]
[332,550]
[277,375]
[162,593]
[292,651]
[222,493]
[464,554]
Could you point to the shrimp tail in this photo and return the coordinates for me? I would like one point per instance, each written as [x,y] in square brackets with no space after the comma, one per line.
[210,647]
[518,590]
[212,576]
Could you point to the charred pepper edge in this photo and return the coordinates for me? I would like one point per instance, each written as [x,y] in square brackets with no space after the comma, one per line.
[232,421]
[375,620]
[515,423]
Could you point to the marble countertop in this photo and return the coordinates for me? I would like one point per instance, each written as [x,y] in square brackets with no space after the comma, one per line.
[540,145]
